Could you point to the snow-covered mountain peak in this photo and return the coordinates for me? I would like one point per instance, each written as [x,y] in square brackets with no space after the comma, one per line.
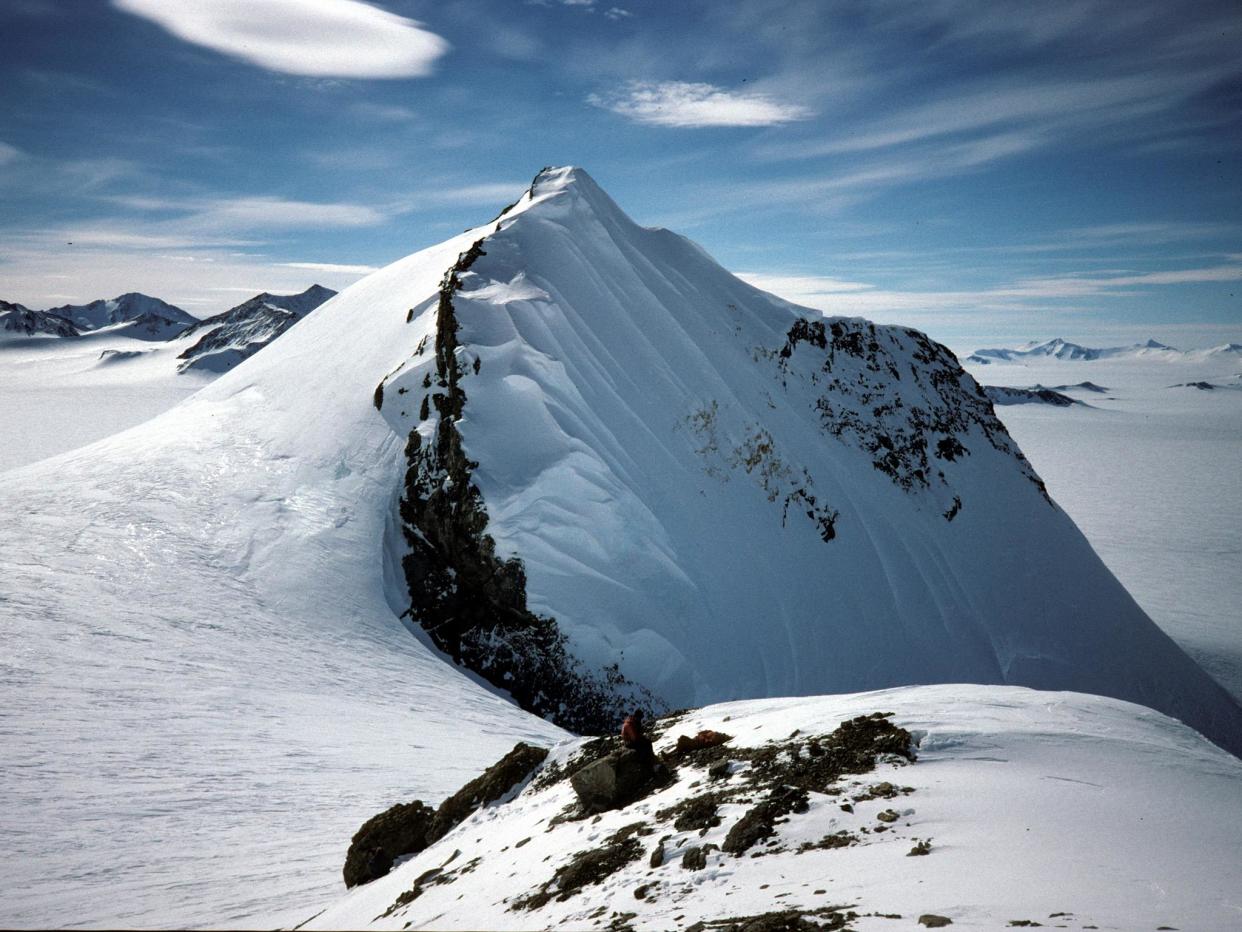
[131,306]
[616,459]
[222,341]
[19,320]
[622,452]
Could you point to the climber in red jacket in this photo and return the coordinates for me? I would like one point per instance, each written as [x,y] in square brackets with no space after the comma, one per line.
[632,737]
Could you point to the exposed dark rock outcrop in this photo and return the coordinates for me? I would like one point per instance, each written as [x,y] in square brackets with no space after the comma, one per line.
[471,602]
[408,828]
[588,867]
[398,830]
[612,782]
[866,406]
[1004,395]
[760,822]
[491,785]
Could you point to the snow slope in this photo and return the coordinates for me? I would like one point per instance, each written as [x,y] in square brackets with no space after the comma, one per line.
[204,680]
[204,687]
[59,394]
[1150,474]
[1059,809]
[668,460]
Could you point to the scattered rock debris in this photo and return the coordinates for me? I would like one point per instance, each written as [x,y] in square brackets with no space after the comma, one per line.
[586,868]
[922,846]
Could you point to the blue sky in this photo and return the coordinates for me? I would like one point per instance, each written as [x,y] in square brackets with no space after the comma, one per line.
[988,172]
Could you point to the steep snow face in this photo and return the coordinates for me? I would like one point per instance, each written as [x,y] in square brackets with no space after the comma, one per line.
[728,496]
[1113,816]
[144,317]
[222,341]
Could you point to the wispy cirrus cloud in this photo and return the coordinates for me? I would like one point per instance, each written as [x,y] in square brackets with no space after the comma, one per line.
[691,105]
[342,269]
[1051,293]
[318,38]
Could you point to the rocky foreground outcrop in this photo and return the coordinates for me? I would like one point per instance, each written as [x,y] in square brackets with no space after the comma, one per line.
[831,813]
[771,782]
[408,828]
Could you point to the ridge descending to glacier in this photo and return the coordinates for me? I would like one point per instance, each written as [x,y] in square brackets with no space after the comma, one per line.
[725,495]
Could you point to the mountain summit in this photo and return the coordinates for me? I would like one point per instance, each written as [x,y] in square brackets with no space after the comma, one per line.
[226,339]
[624,460]
[145,317]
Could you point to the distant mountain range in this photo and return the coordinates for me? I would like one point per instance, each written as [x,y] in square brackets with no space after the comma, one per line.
[228,338]
[19,319]
[221,341]
[1062,349]
[142,316]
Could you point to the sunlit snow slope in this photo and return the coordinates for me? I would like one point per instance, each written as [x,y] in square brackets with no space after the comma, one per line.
[203,689]
[204,684]
[666,451]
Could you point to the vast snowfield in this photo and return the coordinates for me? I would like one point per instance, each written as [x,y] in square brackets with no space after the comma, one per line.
[205,689]
[1149,472]
[58,394]
[1055,808]
[206,686]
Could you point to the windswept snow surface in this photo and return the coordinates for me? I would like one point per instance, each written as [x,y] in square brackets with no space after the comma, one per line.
[1037,805]
[1150,474]
[205,690]
[57,394]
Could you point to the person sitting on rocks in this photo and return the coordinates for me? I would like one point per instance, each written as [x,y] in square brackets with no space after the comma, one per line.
[632,737]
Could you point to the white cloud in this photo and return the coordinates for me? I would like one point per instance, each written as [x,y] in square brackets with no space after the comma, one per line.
[682,104]
[492,194]
[8,153]
[1052,294]
[383,113]
[331,267]
[617,12]
[805,286]
[203,282]
[271,213]
[321,38]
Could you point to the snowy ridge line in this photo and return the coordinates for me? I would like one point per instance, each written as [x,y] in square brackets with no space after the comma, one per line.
[471,602]
[712,518]
[226,339]
[17,318]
